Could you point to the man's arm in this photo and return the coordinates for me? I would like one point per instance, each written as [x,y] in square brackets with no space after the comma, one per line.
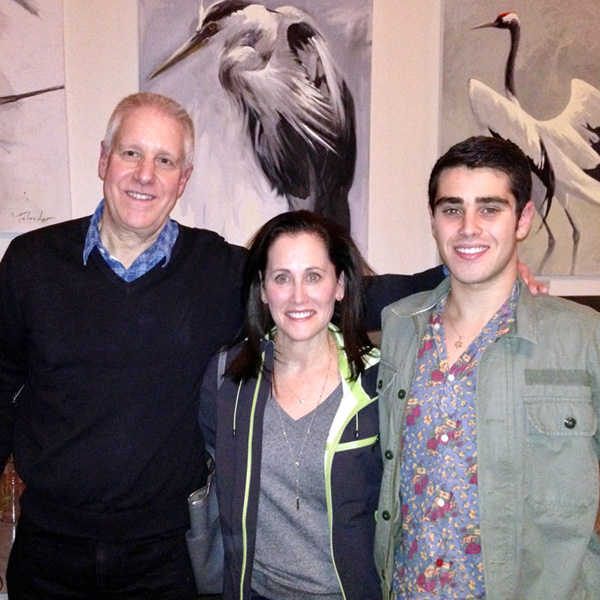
[207,409]
[381,290]
[12,369]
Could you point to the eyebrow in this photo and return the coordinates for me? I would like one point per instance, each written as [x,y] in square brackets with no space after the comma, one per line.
[288,270]
[481,200]
[135,145]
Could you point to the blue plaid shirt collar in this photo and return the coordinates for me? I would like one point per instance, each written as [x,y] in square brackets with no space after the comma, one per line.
[162,248]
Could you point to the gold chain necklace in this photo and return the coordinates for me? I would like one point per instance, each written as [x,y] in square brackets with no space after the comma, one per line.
[296,459]
[459,342]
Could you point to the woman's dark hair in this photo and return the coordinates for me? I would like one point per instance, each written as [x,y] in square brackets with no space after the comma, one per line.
[348,313]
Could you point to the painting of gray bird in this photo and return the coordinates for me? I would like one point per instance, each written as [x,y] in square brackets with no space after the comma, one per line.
[282,88]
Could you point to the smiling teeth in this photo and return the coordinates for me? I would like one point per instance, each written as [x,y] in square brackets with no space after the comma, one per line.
[300,315]
[139,196]
[472,250]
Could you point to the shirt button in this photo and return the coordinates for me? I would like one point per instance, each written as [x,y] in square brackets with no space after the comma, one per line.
[444,438]
[389,454]
[570,422]
[450,377]
[440,502]
[402,394]
[385,515]
[436,326]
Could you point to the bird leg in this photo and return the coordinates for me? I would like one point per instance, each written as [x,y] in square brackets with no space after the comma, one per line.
[549,248]
[576,237]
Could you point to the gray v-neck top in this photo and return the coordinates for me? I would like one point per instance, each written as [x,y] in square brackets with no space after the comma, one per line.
[292,558]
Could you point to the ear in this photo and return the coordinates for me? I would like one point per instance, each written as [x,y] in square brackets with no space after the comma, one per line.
[431,220]
[263,296]
[102,161]
[525,221]
[341,287]
[185,176]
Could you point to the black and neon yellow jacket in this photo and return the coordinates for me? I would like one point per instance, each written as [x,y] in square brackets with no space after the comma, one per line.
[232,420]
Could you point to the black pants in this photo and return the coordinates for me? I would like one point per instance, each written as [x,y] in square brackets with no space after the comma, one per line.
[50,566]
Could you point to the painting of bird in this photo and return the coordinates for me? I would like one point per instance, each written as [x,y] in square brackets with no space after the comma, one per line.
[559,149]
[545,97]
[285,95]
[34,170]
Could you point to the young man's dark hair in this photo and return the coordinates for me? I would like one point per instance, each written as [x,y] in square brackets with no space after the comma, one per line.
[481,152]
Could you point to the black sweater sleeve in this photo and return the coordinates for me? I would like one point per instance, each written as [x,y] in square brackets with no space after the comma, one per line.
[381,290]
[207,415]
[12,360]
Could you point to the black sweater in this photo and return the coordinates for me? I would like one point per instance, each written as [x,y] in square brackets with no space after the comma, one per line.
[106,435]
[105,430]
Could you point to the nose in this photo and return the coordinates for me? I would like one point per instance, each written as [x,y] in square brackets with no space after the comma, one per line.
[299,292]
[470,224]
[145,171]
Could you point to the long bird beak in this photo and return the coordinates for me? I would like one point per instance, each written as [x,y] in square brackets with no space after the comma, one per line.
[28,6]
[194,43]
[490,24]
[15,97]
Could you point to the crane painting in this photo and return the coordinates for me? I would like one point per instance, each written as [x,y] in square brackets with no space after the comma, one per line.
[278,120]
[551,51]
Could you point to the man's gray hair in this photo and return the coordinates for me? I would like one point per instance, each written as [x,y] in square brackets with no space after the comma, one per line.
[162,104]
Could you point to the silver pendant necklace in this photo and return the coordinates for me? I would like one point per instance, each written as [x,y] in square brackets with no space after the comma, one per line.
[296,459]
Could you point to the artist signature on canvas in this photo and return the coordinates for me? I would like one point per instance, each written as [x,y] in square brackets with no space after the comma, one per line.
[29,216]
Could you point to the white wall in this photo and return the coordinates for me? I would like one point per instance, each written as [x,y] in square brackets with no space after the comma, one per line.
[404,132]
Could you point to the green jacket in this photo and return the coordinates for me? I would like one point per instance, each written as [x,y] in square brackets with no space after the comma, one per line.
[538,446]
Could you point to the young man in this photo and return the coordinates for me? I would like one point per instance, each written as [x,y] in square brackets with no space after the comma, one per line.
[489,408]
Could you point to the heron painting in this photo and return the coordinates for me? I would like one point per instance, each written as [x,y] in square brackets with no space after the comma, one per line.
[532,75]
[279,95]
[34,167]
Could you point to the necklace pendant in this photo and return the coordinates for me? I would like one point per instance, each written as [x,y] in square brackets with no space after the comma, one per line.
[458,344]
[302,400]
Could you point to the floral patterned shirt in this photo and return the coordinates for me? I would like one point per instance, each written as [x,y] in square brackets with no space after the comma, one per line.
[439,555]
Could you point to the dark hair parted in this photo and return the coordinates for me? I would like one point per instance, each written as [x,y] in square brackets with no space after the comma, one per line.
[348,313]
[481,152]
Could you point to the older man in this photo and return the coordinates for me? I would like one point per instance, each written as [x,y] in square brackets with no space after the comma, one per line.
[106,325]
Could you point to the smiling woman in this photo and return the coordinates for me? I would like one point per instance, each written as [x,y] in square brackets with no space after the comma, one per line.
[302,469]
[300,287]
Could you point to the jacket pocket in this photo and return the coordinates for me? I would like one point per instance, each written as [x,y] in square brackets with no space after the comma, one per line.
[561,462]
[385,377]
